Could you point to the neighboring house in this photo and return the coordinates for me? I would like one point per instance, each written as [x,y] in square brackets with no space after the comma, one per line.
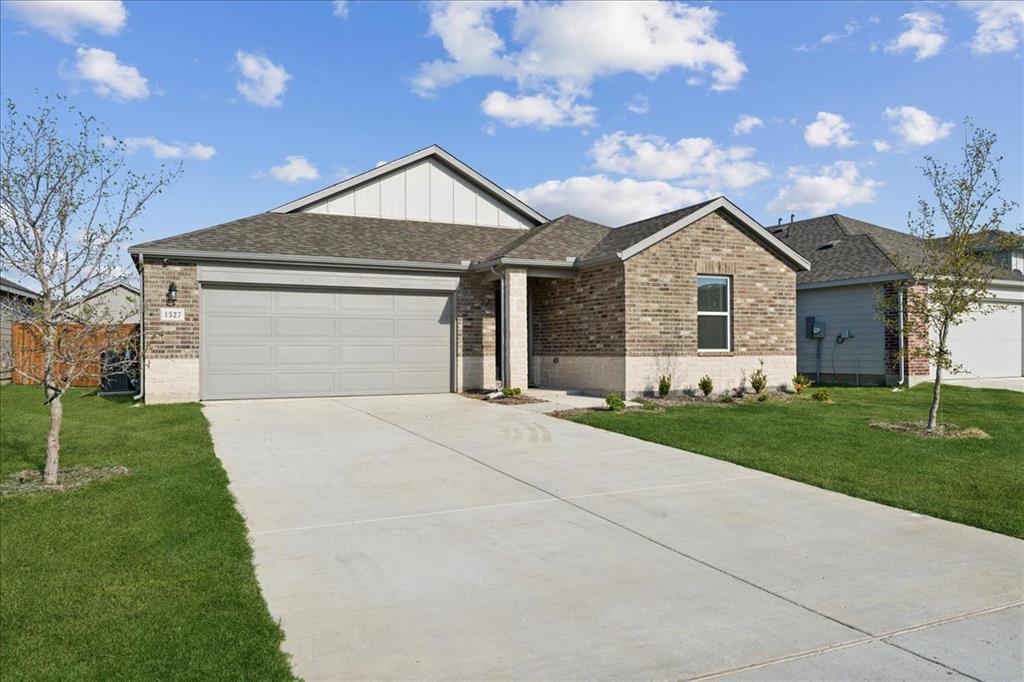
[117,302]
[12,297]
[852,265]
[423,276]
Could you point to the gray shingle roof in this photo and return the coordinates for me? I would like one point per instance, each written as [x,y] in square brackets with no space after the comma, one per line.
[622,238]
[561,238]
[10,287]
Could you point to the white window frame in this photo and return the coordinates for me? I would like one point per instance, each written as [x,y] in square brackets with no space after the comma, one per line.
[727,314]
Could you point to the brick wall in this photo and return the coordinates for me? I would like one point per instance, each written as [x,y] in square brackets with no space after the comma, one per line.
[583,316]
[661,292]
[916,335]
[170,340]
[475,324]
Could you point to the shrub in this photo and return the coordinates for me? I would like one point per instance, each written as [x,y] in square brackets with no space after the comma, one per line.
[516,390]
[614,402]
[758,380]
[510,391]
[649,405]
[822,395]
[801,382]
[726,397]
[664,385]
[705,385]
[762,398]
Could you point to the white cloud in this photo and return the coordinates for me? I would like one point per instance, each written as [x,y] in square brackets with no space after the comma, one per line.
[63,19]
[881,145]
[698,160]
[552,49]
[263,82]
[1000,25]
[828,130]
[639,104]
[746,123]
[341,8]
[541,111]
[849,28]
[608,201]
[916,126]
[175,150]
[926,35]
[109,77]
[834,186]
[295,169]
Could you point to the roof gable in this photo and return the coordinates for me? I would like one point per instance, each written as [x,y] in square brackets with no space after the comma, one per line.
[430,185]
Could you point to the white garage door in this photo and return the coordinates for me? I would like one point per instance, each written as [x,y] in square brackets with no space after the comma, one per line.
[271,343]
[990,346]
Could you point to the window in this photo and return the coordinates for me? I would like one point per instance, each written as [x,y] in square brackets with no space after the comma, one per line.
[713,323]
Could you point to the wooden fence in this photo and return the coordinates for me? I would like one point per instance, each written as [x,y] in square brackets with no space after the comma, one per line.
[26,351]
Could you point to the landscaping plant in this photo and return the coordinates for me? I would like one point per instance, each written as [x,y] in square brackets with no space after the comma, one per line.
[664,385]
[511,391]
[822,395]
[759,380]
[705,385]
[801,382]
[614,402]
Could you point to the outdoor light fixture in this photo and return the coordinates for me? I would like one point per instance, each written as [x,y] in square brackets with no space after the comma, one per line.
[172,293]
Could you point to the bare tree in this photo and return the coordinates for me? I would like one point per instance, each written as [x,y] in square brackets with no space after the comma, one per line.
[947,282]
[67,204]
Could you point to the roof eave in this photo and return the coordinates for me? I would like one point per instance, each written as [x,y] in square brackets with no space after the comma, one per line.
[285,259]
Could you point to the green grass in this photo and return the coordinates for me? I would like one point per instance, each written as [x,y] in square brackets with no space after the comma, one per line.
[148,576]
[976,482]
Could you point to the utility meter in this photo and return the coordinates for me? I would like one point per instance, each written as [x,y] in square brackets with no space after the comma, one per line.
[814,329]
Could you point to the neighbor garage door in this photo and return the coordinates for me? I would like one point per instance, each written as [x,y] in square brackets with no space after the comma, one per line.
[269,343]
[990,346]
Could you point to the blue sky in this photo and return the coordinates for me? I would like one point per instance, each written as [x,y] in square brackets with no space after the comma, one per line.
[612,112]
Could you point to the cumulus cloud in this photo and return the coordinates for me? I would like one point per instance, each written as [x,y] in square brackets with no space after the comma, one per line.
[606,200]
[1000,25]
[881,145]
[540,111]
[746,124]
[64,19]
[828,130]
[341,8]
[552,47]
[925,34]
[294,169]
[109,77]
[174,150]
[639,104]
[698,160]
[263,82]
[916,126]
[833,186]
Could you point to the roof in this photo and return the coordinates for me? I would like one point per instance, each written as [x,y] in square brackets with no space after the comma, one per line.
[567,237]
[104,288]
[9,287]
[627,235]
[841,248]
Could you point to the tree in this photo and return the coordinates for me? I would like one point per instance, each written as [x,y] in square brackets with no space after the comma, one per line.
[947,281]
[67,205]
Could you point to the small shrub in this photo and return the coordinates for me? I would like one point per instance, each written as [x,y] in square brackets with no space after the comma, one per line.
[517,391]
[509,391]
[614,402]
[705,385]
[726,397]
[801,382]
[762,398]
[822,395]
[649,405]
[758,380]
[664,385]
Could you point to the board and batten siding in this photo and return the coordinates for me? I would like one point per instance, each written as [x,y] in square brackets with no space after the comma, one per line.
[424,191]
[839,308]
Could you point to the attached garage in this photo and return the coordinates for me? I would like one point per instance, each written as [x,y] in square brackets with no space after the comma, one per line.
[277,342]
[992,345]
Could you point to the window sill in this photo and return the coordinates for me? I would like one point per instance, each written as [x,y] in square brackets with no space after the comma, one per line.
[714,352]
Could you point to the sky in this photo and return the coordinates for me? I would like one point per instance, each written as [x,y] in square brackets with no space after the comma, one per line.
[610,111]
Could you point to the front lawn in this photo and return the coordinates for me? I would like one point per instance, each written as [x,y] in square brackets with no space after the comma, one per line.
[972,481]
[147,576]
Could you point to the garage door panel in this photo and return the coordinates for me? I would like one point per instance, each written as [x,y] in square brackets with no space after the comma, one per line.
[289,326]
[304,383]
[237,326]
[436,356]
[367,382]
[364,301]
[989,346]
[303,301]
[419,382]
[237,355]
[235,300]
[219,384]
[291,355]
[428,305]
[425,329]
[366,355]
[365,327]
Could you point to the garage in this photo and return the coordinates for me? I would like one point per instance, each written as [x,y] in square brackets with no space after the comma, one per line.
[291,342]
[991,345]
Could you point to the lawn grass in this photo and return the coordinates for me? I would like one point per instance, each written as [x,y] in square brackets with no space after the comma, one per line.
[147,576]
[971,481]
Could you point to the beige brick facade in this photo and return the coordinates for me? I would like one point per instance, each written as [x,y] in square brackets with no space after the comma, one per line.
[475,329]
[171,352]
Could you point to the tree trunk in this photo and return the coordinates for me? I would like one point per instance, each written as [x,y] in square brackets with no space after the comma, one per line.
[53,441]
[933,412]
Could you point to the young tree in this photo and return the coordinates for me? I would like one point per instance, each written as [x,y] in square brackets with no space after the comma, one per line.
[948,280]
[67,204]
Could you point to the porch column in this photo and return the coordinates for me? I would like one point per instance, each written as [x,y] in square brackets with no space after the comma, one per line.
[516,360]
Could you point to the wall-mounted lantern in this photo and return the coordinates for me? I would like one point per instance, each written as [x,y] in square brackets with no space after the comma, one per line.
[172,293]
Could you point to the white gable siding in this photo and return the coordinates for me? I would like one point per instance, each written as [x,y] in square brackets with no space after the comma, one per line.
[839,308]
[424,191]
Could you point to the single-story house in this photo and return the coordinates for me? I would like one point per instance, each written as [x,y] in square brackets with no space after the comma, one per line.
[12,297]
[840,334]
[116,303]
[423,276]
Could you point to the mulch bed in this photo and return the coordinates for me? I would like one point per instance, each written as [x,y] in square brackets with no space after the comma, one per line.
[941,431]
[503,400]
[30,481]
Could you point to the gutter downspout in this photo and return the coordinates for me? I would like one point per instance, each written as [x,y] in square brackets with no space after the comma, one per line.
[504,324]
[903,356]
[142,331]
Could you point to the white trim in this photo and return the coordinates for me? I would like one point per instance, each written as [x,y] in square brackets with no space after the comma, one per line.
[895,277]
[727,314]
[431,151]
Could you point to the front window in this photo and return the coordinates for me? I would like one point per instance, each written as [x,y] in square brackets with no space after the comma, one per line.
[713,323]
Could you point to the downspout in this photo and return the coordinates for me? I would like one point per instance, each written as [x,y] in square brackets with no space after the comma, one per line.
[142,331]
[903,355]
[501,295]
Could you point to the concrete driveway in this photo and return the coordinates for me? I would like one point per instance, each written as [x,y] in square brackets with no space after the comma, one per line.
[438,537]
[1009,383]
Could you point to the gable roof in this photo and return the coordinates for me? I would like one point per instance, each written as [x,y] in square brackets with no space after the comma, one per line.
[110,286]
[9,287]
[434,152]
[567,237]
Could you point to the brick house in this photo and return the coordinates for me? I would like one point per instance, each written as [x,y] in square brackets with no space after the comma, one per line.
[423,276]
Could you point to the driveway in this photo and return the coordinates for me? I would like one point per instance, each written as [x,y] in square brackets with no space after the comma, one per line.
[438,537]
[1008,383]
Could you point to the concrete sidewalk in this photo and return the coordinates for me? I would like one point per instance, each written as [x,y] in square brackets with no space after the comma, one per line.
[438,537]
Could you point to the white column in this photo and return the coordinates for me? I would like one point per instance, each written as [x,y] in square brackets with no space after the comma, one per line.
[516,329]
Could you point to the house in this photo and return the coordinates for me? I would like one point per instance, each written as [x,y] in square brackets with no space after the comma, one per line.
[853,263]
[423,276]
[12,297]
[114,303]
